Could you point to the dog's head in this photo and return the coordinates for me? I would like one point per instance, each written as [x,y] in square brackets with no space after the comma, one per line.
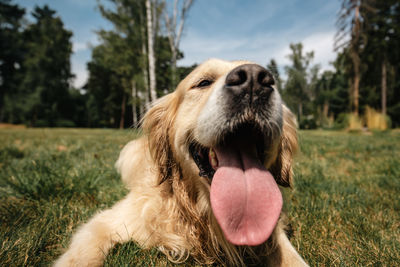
[226,132]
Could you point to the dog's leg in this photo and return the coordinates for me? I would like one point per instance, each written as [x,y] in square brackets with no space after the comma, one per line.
[94,239]
[285,254]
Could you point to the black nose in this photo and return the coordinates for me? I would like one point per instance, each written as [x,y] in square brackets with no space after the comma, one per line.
[251,78]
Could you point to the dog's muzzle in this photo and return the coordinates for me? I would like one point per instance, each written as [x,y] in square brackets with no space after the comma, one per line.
[248,85]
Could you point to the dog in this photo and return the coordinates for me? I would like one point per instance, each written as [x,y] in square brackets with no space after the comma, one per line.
[204,176]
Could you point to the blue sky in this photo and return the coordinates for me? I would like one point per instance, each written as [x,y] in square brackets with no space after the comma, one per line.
[256,30]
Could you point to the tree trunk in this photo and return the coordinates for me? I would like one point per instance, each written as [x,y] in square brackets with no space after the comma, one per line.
[350,92]
[145,80]
[325,109]
[356,91]
[141,110]
[356,58]
[151,57]
[145,67]
[33,120]
[173,69]
[174,33]
[123,108]
[300,110]
[384,86]
[134,112]
[1,105]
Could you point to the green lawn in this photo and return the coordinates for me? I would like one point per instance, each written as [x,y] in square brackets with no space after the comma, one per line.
[344,206]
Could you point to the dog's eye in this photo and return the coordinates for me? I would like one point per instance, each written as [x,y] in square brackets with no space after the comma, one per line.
[204,83]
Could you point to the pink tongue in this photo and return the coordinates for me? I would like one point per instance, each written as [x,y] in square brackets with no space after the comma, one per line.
[245,198]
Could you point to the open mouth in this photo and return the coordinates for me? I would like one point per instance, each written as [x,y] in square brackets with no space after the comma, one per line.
[244,196]
[206,158]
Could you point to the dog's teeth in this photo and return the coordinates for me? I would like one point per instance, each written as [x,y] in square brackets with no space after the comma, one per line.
[213,159]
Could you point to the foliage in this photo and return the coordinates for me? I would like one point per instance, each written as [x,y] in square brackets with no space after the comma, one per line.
[371,52]
[297,88]
[308,122]
[375,120]
[365,69]
[35,71]
[273,68]
[342,205]
[355,123]
[37,89]
[11,51]
[382,26]
[46,67]
[118,68]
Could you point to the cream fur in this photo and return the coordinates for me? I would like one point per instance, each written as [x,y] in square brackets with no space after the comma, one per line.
[168,205]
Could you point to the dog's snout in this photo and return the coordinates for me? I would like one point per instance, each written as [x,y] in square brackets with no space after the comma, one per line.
[249,77]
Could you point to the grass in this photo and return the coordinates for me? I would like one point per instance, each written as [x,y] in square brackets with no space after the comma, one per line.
[344,206]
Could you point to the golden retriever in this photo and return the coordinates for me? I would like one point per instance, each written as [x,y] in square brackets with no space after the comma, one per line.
[204,176]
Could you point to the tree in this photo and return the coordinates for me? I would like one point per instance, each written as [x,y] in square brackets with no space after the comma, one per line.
[380,28]
[174,24]
[126,53]
[11,55]
[103,90]
[330,97]
[125,56]
[44,89]
[151,56]
[273,68]
[297,88]
[339,103]
[350,22]
[393,95]
[368,33]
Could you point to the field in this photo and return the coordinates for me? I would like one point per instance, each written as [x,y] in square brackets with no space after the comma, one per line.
[344,206]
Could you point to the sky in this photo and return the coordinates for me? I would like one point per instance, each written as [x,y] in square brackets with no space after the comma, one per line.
[255,30]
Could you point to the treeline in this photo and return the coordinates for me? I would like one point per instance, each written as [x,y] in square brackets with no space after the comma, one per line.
[135,63]
[36,79]
[35,68]
[366,70]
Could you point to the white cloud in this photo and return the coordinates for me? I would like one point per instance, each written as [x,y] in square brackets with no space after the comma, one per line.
[84,42]
[322,45]
[79,46]
[78,68]
[81,77]
[198,49]
[81,55]
[260,48]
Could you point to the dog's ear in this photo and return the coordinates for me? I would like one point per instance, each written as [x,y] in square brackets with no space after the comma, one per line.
[281,169]
[157,125]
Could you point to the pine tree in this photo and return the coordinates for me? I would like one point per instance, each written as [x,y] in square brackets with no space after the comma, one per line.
[46,68]
[11,55]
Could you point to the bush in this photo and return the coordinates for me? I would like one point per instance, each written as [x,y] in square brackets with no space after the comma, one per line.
[375,120]
[327,122]
[348,121]
[354,122]
[308,122]
[341,121]
[65,123]
[41,123]
[394,113]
